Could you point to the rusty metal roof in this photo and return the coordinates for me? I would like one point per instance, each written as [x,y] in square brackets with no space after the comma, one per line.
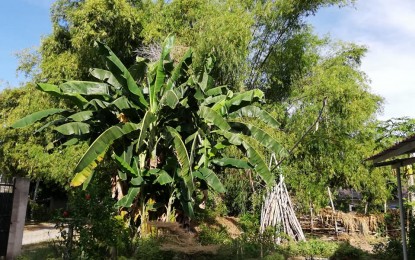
[404,147]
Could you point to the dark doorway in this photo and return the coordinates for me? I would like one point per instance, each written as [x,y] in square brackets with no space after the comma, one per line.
[6,205]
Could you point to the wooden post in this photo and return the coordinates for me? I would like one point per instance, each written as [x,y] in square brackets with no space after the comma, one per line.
[311,218]
[334,211]
[401,211]
[20,199]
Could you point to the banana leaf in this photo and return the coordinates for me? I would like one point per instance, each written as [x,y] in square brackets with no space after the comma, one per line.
[106,76]
[183,158]
[97,150]
[255,112]
[37,116]
[231,162]
[86,88]
[213,117]
[81,116]
[211,179]
[122,75]
[73,128]
[128,199]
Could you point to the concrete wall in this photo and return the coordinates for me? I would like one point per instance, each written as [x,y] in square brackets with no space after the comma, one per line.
[20,199]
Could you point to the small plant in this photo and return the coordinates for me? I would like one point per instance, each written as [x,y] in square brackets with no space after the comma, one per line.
[392,250]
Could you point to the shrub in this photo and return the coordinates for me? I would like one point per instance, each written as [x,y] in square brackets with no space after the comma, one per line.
[347,251]
[98,231]
[392,250]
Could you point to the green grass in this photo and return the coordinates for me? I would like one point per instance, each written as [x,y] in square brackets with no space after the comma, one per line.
[42,251]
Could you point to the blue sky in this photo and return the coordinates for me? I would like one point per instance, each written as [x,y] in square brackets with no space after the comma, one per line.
[22,23]
[386,27]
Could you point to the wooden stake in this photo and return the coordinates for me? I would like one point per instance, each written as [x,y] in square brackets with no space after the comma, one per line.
[334,211]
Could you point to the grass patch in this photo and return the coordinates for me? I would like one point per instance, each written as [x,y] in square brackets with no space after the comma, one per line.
[41,251]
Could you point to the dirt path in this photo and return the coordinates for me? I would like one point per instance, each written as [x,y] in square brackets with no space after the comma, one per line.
[41,232]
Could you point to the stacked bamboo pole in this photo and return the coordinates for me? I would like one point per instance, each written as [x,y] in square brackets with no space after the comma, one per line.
[278,212]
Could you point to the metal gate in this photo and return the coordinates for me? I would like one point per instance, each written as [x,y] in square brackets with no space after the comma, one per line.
[6,205]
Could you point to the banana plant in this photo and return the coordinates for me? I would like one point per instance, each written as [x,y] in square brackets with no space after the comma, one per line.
[165,124]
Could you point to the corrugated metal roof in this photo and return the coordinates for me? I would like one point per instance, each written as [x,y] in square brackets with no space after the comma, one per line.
[404,147]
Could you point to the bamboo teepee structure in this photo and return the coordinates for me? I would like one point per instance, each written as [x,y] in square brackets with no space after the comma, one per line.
[278,212]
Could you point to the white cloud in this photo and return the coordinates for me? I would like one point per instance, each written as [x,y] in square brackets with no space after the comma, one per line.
[387,29]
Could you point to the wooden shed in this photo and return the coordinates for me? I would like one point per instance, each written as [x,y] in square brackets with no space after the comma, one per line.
[399,155]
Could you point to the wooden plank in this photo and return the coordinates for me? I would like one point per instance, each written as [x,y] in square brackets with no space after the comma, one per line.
[397,163]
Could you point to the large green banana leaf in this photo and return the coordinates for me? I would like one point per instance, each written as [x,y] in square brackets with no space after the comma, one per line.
[170,99]
[125,167]
[82,116]
[122,74]
[214,100]
[163,178]
[255,112]
[86,88]
[54,90]
[73,128]
[183,158]
[231,162]
[98,149]
[260,166]
[258,134]
[211,179]
[128,199]
[148,119]
[37,116]
[160,72]
[238,101]
[254,157]
[180,69]
[106,76]
[211,116]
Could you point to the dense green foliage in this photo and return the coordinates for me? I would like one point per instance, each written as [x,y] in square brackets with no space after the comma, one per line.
[170,125]
[165,125]
[28,152]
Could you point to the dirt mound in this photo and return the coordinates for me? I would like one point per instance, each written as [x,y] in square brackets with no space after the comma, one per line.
[230,224]
[179,240]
